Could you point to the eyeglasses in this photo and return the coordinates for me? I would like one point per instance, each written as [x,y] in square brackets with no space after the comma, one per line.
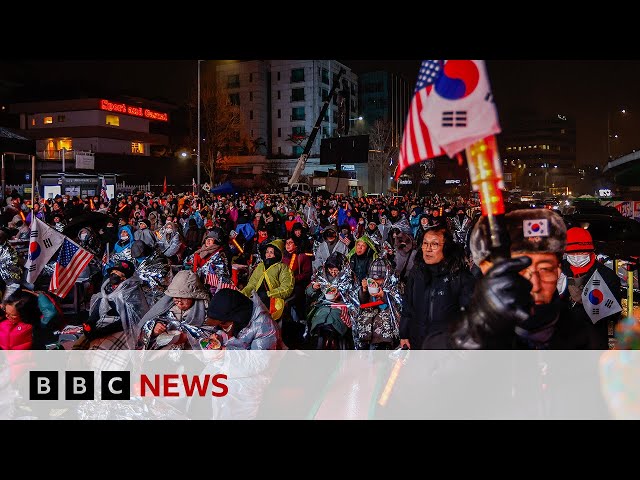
[433,245]
[545,274]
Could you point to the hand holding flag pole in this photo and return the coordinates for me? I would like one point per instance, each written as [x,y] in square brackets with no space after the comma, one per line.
[485,173]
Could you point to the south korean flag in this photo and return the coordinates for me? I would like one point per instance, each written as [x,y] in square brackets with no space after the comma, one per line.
[597,299]
[535,228]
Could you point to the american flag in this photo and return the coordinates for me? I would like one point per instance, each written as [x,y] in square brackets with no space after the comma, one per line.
[72,260]
[417,143]
[217,282]
[344,313]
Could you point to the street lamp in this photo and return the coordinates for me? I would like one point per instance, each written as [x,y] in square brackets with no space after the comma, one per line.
[198,154]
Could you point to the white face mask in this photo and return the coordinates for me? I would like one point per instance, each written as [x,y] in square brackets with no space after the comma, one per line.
[579,260]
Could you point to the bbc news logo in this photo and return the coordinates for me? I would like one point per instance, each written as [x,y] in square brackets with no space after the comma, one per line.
[79,385]
[116,385]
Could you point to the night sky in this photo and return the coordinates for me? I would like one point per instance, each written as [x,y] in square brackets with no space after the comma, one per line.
[583,89]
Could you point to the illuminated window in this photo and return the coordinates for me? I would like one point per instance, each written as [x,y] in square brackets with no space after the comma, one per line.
[113,120]
[137,147]
[65,143]
[48,120]
[33,122]
[51,149]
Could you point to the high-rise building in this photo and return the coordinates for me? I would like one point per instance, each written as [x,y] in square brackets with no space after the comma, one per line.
[281,100]
[539,153]
[385,96]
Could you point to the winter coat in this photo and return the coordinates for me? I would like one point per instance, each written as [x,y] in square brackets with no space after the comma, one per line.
[15,336]
[323,314]
[119,247]
[324,251]
[577,309]
[145,235]
[433,298]
[279,275]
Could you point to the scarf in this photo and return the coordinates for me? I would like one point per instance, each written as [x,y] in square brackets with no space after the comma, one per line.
[206,252]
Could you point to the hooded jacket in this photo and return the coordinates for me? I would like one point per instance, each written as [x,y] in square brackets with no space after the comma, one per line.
[279,275]
[119,246]
[325,250]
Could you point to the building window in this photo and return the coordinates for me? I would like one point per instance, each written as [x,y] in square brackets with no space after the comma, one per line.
[325,94]
[250,114]
[234,99]
[251,96]
[279,150]
[33,122]
[297,95]
[278,76]
[51,150]
[251,77]
[297,75]
[48,120]
[279,132]
[113,120]
[61,118]
[251,133]
[278,94]
[65,143]
[325,76]
[297,113]
[298,132]
[297,150]
[233,81]
[325,131]
[137,147]
[279,114]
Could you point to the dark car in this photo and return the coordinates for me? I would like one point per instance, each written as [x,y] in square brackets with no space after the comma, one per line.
[588,207]
[613,235]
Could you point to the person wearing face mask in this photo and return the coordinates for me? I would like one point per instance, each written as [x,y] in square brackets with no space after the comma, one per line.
[145,234]
[125,240]
[330,245]
[515,304]
[171,243]
[115,311]
[272,281]
[329,317]
[577,269]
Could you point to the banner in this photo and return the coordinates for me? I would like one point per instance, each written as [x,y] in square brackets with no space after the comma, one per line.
[318,385]
[43,243]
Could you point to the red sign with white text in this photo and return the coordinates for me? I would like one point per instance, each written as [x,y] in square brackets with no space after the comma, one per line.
[110,106]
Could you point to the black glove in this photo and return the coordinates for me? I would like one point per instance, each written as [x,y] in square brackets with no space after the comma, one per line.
[501,299]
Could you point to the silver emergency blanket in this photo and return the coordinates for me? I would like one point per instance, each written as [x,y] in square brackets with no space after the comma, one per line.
[345,284]
[403,225]
[155,271]
[161,312]
[10,270]
[130,303]
[218,265]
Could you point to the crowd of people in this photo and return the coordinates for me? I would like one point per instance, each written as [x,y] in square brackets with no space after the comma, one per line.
[274,271]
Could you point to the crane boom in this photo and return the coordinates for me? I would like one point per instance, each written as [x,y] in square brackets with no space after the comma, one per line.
[307,148]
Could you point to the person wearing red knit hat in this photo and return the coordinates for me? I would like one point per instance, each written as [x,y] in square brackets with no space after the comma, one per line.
[578,268]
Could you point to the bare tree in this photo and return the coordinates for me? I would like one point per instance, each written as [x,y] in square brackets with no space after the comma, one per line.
[383,155]
[222,127]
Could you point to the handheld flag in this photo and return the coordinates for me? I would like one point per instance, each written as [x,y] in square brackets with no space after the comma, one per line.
[597,299]
[43,243]
[72,260]
[164,186]
[452,108]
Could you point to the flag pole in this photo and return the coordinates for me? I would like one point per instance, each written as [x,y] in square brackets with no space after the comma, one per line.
[485,172]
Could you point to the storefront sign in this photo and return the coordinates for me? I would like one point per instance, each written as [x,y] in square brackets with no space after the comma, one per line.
[110,106]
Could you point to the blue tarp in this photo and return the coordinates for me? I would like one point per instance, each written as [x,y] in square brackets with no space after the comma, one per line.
[226,187]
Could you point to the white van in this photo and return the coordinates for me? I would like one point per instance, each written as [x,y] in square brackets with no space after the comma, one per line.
[300,187]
